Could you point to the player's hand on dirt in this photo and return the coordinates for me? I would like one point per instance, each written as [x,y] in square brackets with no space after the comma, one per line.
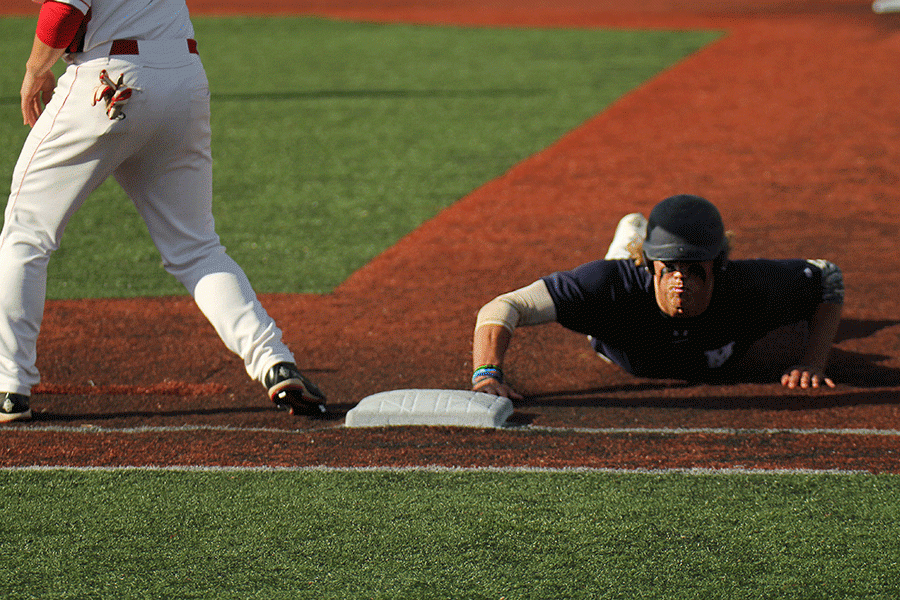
[37,90]
[489,385]
[805,377]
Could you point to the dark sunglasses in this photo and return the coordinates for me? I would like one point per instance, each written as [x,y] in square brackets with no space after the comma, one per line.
[686,268]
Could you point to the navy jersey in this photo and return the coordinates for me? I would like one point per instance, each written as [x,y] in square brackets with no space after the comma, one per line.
[614,302]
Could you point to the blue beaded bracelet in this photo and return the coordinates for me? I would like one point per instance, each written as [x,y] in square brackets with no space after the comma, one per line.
[492,371]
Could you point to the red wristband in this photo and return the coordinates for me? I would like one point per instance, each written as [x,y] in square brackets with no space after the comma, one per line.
[58,23]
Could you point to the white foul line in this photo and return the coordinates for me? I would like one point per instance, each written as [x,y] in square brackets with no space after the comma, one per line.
[96,429]
[696,471]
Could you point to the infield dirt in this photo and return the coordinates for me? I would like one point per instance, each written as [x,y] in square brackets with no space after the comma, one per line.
[790,123]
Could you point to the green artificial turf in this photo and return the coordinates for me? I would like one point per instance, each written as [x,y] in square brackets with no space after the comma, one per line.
[332,140]
[422,535]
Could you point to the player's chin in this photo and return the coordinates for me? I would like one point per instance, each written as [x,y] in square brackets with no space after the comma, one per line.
[685,306]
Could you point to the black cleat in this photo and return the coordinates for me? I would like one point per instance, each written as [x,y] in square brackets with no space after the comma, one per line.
[290,390]
[14,407]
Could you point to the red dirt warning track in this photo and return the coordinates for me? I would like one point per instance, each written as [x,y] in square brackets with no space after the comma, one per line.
[790,123]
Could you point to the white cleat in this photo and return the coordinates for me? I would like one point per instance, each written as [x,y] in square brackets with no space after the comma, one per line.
[886,6]
[631,229]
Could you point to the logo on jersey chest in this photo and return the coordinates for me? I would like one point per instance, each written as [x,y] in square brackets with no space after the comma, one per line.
[717,358]
[714,358]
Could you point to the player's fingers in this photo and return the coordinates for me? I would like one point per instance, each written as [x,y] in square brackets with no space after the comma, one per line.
[512,394]
[791,379]
[820,380]
[28,100]
[507,392]
[47,87]
[494,387]
[35,113]
[31,108]
[487,386]
[29,116]
[805,379]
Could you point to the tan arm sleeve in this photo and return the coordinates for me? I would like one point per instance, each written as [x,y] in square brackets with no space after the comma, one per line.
[530,305]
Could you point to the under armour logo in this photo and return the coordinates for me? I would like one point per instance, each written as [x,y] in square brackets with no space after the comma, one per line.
[716,358]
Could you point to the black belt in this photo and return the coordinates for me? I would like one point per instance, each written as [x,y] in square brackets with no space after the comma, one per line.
[131,47]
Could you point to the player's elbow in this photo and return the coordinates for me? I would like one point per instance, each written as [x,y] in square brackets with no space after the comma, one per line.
[832,281]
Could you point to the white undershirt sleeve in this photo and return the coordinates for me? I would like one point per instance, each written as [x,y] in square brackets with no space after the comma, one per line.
[530,305]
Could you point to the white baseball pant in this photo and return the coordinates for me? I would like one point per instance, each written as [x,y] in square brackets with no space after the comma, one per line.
[160,155]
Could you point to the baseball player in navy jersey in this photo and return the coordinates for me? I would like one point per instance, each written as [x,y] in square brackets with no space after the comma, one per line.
[667,302]
[133,104]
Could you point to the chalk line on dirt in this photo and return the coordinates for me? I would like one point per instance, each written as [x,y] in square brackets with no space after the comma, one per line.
[526,429]
[443,469]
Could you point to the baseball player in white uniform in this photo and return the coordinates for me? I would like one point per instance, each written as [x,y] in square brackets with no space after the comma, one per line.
[133,103]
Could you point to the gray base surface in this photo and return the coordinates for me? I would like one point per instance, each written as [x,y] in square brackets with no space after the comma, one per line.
[458,408]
